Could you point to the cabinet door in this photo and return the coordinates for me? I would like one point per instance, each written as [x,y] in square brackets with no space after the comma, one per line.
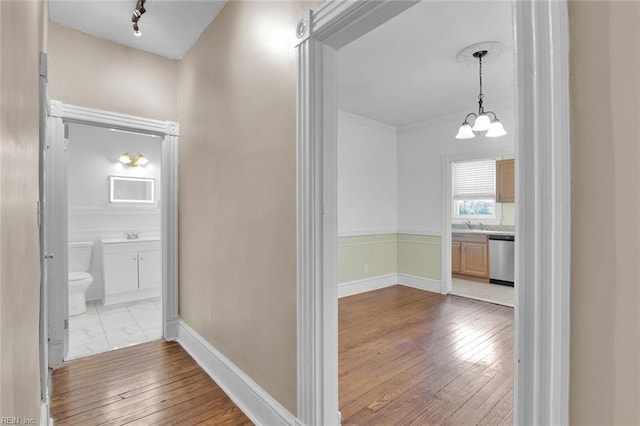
[120,272]
[455,257]
[150,269]
[505,181]
[474,259]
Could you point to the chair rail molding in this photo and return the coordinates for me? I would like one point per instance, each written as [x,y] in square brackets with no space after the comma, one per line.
[543,193]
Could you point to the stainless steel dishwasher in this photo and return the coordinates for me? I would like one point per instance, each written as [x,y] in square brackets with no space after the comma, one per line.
[501,259]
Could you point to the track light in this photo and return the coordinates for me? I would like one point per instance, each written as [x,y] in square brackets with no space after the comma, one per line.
[137,13]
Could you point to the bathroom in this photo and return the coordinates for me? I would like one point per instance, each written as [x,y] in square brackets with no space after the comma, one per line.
[114,222]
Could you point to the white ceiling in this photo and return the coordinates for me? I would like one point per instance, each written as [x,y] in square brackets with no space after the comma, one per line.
[169,27]
[405,71]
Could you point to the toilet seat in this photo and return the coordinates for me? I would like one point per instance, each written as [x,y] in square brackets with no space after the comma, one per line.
[78,276]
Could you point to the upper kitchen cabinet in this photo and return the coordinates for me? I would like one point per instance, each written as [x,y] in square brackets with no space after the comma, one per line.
[505,181]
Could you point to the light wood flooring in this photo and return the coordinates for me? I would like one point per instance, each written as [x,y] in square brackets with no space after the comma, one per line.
[154,383]
[413,357]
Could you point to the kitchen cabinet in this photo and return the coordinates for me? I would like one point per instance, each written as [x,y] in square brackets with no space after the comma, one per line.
[505,181]
[132,270]
[455,257]
[474,259]
[470,256]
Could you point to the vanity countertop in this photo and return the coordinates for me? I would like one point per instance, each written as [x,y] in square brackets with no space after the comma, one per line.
[129,240]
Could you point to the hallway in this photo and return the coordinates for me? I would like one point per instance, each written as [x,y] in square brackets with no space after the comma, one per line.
[154,383]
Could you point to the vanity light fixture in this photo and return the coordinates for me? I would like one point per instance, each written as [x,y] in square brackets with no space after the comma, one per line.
[137,13]
[483,123]
[133,160]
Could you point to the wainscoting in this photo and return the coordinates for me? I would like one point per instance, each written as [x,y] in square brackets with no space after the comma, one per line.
[371,262]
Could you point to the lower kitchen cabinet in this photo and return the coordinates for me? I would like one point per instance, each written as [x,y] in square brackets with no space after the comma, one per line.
[470,256]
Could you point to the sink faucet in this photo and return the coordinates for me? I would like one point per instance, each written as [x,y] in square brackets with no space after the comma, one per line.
[468,223]
[480,225]
[132,235]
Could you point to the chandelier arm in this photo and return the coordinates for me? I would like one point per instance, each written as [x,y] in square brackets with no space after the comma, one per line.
[471,114]
[495,117]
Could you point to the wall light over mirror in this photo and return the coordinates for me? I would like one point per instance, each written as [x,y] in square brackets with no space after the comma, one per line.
[131,190]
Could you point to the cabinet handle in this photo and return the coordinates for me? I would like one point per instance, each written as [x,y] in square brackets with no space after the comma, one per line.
[134,259]
[142,258]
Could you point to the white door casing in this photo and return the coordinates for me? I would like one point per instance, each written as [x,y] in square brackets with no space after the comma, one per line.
[59,114]
[543,205]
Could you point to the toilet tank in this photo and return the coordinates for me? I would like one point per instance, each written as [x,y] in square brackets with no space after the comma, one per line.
[80,256]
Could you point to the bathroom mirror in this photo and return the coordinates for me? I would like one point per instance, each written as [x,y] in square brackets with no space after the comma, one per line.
[131,190]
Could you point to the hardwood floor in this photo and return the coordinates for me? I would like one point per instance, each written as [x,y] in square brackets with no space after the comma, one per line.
[155,383]
[413,357]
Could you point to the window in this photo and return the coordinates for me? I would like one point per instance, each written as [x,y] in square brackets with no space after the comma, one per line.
[474,190]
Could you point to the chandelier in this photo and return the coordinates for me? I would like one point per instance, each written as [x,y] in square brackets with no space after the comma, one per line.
[483,122]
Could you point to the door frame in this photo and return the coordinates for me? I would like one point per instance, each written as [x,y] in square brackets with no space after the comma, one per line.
[446,190]
[59,114]
[541,356]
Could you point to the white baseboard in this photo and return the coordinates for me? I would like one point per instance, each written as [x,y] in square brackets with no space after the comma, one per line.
[45,420]
[350,288]
[419,282]
[255,402]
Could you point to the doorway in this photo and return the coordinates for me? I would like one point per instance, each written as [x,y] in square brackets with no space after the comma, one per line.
[87,213]
[542,145]
[401,358]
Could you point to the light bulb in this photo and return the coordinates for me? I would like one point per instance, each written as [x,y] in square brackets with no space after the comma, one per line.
[125,159]
[465,132]
[482,123]
[496,129]
[141,160]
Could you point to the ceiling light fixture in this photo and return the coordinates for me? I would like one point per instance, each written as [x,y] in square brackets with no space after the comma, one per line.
[133,160]
[137,13]
[483,123]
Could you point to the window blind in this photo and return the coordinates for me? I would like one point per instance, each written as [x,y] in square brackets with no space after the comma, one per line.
[474,180]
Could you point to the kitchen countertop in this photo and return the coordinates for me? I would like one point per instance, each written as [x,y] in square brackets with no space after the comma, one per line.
[482,231]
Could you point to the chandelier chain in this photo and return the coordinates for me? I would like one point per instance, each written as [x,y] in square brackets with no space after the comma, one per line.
[480,95]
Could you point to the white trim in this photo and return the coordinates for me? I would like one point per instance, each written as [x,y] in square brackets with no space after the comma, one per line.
[542,186]
[367,122]
[61,113]
[366,233]
[350,288]
[421,283]
[543,227]
[422,232]
[45,420]
[254,401]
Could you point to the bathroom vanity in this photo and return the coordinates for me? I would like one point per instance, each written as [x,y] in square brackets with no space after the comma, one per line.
[132,269]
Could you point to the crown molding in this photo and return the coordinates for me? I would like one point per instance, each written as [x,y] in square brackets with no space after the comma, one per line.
[367,122]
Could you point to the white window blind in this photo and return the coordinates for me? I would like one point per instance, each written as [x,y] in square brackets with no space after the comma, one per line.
[474,180]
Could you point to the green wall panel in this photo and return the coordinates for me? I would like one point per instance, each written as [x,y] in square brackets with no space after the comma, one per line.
[382,254]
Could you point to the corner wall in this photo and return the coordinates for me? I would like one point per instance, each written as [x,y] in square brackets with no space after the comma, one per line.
[605,204]
[237,110]
[22,37]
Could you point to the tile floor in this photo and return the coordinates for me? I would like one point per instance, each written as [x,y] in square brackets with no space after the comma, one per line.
[103,328]
[494,293]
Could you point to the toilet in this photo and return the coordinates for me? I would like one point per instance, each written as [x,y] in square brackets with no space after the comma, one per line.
[79,277]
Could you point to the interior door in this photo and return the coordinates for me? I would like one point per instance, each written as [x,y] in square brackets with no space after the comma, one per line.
[54,219]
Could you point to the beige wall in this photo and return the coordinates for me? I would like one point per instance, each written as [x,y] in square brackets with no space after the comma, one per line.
[605,302]
[19,259]
[237,111]
[95,73]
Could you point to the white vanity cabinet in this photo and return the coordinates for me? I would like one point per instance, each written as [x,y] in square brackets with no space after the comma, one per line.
[132,270]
